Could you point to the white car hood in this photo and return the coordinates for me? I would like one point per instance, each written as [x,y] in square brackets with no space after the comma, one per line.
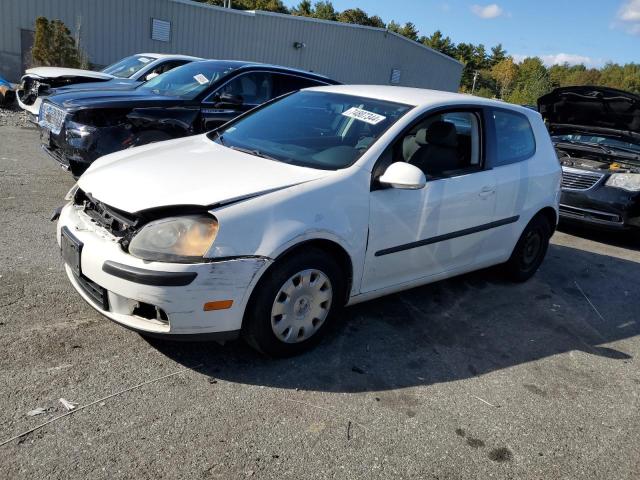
[57,72]
[186,171]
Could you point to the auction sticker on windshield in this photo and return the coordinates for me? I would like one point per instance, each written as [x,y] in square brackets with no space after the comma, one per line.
[364,115]
[201,79]
[144,59]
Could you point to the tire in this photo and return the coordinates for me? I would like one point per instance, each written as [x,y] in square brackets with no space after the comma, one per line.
[303,293]
[529,252]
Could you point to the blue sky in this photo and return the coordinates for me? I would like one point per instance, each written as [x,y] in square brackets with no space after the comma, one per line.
[578,31]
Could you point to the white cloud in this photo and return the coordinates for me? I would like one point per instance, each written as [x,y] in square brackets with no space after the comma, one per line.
[629,16]
[487,11]
[562,58]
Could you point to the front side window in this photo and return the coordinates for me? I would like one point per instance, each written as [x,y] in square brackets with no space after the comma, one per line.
[321,130]
[443,144]
[252,88]
[188,81]
[128,66]
[514,137]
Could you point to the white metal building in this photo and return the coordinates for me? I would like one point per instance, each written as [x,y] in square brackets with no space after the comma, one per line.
[112,29]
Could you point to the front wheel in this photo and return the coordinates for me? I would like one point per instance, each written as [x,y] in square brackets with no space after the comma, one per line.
[293,305]
[530,250]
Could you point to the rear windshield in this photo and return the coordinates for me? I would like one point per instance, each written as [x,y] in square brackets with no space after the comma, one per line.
[314,129]
[126,67]
[187,81]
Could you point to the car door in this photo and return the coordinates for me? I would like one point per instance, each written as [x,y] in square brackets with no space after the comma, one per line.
[239,94]
[415,234]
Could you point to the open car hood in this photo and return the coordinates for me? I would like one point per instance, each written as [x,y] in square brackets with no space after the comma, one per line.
[69,73]
[192,171]
[598,109]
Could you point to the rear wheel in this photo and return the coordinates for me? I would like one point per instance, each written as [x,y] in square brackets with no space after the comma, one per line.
[293,305]
[530,250]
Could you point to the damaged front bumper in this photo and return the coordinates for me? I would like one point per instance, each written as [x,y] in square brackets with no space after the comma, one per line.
[602,206]
[77,146]
[161,299]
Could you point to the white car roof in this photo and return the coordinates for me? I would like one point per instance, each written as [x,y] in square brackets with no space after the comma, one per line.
[173,56]
[418,97]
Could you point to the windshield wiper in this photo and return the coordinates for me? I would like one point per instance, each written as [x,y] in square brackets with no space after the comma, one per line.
[254,152]
[635,153]
[609,150]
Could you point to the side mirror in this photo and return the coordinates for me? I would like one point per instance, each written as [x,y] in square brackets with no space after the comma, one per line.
[404,176]
[151,75]
[229,99]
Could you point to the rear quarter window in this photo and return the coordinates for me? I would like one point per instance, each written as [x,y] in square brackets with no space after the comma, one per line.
[514,137]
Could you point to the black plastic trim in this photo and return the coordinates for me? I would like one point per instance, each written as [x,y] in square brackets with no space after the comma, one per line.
[148,277]
[447,236]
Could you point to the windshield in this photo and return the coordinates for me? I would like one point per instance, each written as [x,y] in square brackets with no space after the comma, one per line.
[607,142]
[187,81]
[126,67]
[321,130]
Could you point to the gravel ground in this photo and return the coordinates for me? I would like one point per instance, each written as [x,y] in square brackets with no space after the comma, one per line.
[13,117]
[468,378]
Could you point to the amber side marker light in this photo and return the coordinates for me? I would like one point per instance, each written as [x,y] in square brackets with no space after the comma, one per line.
[218,305]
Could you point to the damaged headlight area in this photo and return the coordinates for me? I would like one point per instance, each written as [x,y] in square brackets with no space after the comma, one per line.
[71,193]
[177,239]
[626,181]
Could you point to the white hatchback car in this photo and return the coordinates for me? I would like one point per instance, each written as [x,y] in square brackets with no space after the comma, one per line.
[322,198]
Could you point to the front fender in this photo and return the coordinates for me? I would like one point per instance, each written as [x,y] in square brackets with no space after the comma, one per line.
[334,208]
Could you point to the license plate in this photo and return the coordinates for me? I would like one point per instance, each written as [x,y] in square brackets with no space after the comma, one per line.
[71,249]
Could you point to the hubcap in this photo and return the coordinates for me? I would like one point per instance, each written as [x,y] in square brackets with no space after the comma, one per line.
[531,248]
[301,306]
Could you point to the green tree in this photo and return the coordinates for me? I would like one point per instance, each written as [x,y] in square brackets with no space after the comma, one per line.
[264,5]
[321,10]
[408,30]
[358,16]
[54,46]
[504,73]
[325,11]
[440,43]
[498,54]
[304,9]
[532,82]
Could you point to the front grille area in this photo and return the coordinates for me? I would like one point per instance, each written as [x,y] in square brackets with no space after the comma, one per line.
[574,179]
[94,291]
[114,221]
[52,117]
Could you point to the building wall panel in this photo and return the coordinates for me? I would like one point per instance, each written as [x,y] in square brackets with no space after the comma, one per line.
[113,29]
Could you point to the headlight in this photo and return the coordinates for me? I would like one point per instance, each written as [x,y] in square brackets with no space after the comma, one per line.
[626,181]
[71,193]
[178,239]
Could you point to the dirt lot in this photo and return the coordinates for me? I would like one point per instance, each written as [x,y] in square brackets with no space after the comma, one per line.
[468,378]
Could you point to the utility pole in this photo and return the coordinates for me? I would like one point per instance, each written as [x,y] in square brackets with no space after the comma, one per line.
[476,74]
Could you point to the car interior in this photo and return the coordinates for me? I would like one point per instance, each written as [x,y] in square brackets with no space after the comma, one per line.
[442,145]
[253,88]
